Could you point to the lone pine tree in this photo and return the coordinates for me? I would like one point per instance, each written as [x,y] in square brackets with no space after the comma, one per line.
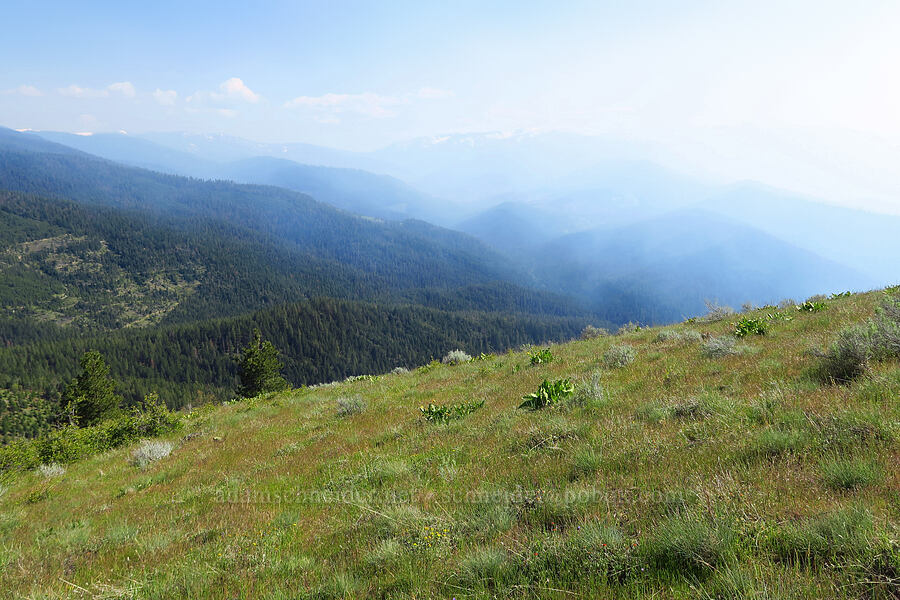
[91,397]
[259,368]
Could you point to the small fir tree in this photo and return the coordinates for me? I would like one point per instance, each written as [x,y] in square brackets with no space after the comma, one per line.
[259,368]
[91,397]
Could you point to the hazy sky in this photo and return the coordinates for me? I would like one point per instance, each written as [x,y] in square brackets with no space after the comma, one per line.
[804,95]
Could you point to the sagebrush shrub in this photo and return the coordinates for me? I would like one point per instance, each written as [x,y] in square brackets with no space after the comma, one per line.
[350,405]
[787,303]
[590,332]
[50,470]
[716,311]
[886,335]
[849,354]
[589,391]
[628,328]
[150,451]
[456,357]
[673,335]
[668,335]
[619,356]
[719,347]
[855,346]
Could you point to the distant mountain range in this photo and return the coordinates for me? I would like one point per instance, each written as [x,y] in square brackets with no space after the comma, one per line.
[557,204]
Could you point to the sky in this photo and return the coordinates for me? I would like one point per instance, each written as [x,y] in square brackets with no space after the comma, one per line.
[803,95]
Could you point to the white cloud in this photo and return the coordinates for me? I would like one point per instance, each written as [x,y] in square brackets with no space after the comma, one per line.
[122,87]
[235,89]
[74,91]
[231,91]
[228,113]
[23,90]
[165,97]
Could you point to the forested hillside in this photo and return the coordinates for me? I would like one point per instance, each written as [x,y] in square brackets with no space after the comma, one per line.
[167,277]
[402,254]
[321,340]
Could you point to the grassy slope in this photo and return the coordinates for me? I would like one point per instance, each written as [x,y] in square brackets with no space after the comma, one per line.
[684,483]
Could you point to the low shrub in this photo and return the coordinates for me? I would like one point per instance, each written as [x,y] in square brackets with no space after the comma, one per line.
[673,335]
[590,332]
[542,356]
[429,367]
[436,413]
[778,316]
[628,328]
[848,356]
[399,371]
[588,391]
[886,334]
[150,451]
[350,405]
[456,357]
[51,470]
[876,339]
[811,306]
[619,356]
[719,347]
[748,326]
[365,377]
[787,303]
[548,394]
[716,312]
[70,443]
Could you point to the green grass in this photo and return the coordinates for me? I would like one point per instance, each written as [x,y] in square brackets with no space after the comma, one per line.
[681,475]
[843,474]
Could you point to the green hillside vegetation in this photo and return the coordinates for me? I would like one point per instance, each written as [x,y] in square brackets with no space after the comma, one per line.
[408,254]
[320,340]
[685,463]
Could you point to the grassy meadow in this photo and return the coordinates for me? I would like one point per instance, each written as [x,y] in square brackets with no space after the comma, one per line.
[686,463]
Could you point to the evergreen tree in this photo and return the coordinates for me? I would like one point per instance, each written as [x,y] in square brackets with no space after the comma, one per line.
[259,368]
[91,397]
